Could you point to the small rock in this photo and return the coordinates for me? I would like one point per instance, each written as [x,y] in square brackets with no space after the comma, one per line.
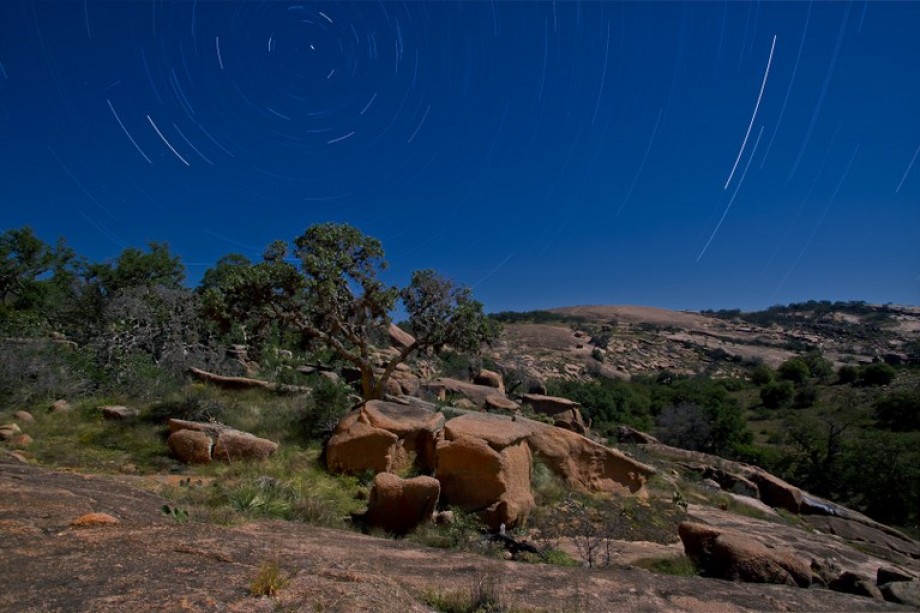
[444,518]
[8,431]
[22,440]
[24,416]
[711,484]
[851,583]
[93,519]
[60,406]
[18,456]
[902,592]
[117,412]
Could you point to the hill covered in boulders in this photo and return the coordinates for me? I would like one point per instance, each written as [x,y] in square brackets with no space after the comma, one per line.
[593,458]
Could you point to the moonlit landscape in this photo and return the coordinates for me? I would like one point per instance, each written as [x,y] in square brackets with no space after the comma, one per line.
[682,155]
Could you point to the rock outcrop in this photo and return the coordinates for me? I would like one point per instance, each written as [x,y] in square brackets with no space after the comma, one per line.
[399,505]
[483,396]
[117,412]
[399,338]
[482,461]
[199,443]
[490,378]
[564,412]
[384,437]
[737,557]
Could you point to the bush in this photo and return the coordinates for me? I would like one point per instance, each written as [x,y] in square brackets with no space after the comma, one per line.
[805,397]
[899,411]
[847,375]
[777,395]
[762,374]
[876,375]
[818,365]
[795,370]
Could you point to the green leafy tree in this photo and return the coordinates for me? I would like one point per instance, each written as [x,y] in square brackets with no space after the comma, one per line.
[334,296]
[847,374]
[899,411]
[818,365]
[36,281]
[777,395]
[135,268]
[795,370]
[761,375]
[876,375]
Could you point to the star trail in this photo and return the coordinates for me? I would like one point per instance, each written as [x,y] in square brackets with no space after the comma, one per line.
[684,155]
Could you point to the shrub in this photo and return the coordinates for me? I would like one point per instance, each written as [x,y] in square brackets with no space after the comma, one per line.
[795,370]
[268,581]
[805,397]
[777,395]
[847,375]
[899,411]
[877,374]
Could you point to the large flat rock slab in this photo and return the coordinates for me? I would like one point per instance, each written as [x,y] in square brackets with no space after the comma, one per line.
[148,562]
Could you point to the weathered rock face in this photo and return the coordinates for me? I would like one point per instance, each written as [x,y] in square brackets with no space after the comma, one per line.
[902,592]
[232,446]
[118,412]
[851,583]
[776,492]
[399,505]
[199,443]
[8,431]
[579,461]
[191,446]
[399,337]
[384,437]
[24,416]
[491,379]
[493,483]
[482,396]
[737,557]
[586,464]
[564,412]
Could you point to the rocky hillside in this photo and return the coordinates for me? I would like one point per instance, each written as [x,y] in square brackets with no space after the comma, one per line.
[619,341]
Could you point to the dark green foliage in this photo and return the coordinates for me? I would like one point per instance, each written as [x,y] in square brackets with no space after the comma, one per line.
[762,374]
[607,403]
[881,476]
[334,296]
[876,374]
[134,268]
[818,366]
[325,407]
[847,374]
[899,411]
[805,397]
[795,370]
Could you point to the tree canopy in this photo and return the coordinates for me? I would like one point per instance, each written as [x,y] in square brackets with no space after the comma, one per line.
[331,292]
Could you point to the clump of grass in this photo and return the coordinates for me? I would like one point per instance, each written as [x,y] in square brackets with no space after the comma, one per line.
[484,596]
[679,566]
[290,485]
[268,580]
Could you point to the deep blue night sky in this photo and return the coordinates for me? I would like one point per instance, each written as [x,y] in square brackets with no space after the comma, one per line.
[545,154]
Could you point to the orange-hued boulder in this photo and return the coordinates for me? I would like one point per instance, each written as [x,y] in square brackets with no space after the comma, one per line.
[234,445]
[737,557]
[477,478]
[399,505]
[191,446]
[384,437]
